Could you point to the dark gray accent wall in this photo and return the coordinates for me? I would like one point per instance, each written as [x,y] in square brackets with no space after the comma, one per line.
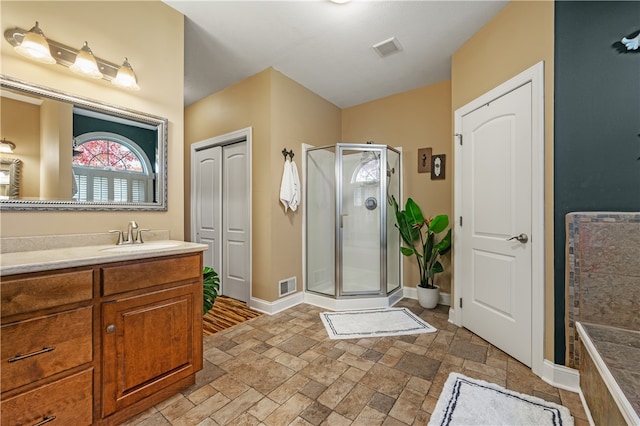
[596,122]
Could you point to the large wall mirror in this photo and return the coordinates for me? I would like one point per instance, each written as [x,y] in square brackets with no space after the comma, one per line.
[79,154]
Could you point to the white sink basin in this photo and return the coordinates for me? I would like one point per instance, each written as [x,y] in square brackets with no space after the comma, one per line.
[141,247]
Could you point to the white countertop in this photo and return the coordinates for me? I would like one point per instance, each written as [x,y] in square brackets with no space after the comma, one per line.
[57,258]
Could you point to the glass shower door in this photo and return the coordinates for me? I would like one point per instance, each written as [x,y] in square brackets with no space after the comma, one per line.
[359,215]
[321,223]
[394,256]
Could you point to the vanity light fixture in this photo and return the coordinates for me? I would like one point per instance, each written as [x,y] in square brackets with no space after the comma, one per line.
[85,63]
[126,78]
[34,46]
[7,146]
[80,61]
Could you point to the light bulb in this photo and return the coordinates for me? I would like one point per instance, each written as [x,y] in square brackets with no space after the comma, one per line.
[126,78]
[85,63]
[35,46]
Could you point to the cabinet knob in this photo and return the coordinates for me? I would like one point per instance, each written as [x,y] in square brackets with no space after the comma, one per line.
[111,328]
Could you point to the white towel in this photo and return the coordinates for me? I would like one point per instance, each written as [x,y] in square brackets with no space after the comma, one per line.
[286,186]
[295,180]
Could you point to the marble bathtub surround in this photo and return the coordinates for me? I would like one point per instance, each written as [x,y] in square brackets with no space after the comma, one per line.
[603,295]
[609,376]
[603,273]
[619,348]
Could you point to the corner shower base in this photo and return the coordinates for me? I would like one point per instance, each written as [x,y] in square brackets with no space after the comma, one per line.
[353,303]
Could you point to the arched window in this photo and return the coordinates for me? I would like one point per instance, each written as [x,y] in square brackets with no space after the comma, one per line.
[368,171]
[111,167]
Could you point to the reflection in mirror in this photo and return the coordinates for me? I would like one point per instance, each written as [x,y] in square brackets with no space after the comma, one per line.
[79,154]
[9,178]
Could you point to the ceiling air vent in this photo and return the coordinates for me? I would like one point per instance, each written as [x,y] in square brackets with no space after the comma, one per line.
[387,47]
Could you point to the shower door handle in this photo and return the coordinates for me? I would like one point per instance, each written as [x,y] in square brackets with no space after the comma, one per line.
[342,220]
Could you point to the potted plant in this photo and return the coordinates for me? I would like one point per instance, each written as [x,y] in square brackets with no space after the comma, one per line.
[211,286]
[419,237]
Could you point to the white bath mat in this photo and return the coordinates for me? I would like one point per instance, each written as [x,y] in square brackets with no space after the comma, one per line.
[466,401]
[373,323]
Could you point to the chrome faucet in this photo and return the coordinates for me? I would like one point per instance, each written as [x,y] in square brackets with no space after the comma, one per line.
[130,238]
[133,236]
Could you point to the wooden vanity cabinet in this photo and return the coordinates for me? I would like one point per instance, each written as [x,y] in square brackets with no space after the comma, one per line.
[99,344]
[46,335]
[151,336]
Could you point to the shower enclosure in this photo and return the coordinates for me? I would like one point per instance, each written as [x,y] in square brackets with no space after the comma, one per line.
[352,245]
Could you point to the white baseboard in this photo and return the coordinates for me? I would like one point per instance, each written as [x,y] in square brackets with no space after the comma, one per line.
[271,308]
[348,304]
[454,318]
[560,376]
[279,305]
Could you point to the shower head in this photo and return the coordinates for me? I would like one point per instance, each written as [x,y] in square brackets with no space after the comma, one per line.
[368,156]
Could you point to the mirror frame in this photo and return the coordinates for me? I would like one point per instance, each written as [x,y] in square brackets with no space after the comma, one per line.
[14,175]
[161,156]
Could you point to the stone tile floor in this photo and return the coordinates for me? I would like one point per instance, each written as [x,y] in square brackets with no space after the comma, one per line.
[284,370]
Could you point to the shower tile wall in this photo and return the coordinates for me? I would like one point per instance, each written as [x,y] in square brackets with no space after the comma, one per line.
[603,273]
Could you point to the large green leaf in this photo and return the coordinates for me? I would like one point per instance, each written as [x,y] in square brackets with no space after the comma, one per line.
[427,249]
[210,288]
[444,245]
[413,213]
[407,251]
[439,223]
[405,229]
[437,268]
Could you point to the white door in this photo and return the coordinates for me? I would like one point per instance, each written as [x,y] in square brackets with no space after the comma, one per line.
[221,213]
[235,222]
[207,168]
[496,207]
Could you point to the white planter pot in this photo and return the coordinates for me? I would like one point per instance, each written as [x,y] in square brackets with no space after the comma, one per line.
[428,297]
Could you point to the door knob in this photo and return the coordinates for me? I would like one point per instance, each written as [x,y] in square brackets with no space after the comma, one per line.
[521,238]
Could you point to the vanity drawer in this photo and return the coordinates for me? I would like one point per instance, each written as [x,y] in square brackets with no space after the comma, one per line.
[29,294]
[39,347]
[68,400]
[145,274]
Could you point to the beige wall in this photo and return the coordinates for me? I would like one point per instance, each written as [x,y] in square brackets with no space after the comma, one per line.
[151,35]
[420,118]
[298,116]
[246,104]
[521,35]
[281,114]
[21,122]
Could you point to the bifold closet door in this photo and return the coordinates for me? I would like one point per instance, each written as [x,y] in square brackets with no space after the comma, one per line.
[222,215]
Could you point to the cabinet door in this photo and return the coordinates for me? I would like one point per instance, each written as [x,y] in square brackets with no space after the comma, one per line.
[67,401]
[149,342]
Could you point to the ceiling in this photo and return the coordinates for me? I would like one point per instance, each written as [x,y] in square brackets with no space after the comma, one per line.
[326,47]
